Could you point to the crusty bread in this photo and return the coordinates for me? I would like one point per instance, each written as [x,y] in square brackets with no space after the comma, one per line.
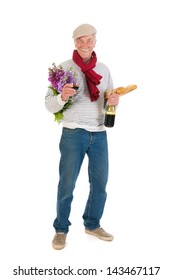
[120,90]
[124,90]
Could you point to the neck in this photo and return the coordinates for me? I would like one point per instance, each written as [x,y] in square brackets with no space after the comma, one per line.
[86,60]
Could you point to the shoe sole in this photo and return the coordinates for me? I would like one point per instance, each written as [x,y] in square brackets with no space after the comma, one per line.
[58,247]
[98,236]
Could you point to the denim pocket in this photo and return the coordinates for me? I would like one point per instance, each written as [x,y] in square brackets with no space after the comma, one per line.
[70,131]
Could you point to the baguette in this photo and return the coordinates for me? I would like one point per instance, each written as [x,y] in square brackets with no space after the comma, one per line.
[124,90]
[121,90]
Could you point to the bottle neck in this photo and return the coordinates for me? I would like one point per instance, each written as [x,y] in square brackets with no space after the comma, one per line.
[111,110]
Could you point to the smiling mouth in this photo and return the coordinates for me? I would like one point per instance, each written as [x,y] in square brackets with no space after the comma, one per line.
[85,50]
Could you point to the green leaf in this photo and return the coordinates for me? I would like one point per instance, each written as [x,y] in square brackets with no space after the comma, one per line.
[58,117]
[55,92]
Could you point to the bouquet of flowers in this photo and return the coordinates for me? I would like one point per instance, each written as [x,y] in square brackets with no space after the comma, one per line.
[58,78]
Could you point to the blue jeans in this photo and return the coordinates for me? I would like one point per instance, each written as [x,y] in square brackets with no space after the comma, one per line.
[74,145]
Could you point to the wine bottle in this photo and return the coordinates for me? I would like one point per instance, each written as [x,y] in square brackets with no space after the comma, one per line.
[110,114]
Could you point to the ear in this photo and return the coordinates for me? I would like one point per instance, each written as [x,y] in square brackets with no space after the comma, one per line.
[95,43]
[75,43]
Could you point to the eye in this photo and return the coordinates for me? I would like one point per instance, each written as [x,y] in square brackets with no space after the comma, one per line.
[79,41]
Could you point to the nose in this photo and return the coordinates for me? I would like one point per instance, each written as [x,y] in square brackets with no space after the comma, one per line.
[84,45]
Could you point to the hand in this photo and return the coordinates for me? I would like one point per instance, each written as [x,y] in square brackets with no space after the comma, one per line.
[67,91]
[113,99]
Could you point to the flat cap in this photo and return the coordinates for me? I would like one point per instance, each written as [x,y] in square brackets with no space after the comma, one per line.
[84,30]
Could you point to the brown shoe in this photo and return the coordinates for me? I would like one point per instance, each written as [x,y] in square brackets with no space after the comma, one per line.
[100,233]
[59,240]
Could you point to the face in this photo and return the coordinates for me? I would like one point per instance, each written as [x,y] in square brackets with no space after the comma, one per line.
[85,46]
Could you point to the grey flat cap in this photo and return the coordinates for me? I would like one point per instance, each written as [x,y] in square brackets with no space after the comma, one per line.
[84,30]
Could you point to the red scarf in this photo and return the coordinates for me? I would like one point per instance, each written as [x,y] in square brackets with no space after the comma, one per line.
[92,77]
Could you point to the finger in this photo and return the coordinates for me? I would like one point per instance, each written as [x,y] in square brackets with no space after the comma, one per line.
[69,90]
[68,85]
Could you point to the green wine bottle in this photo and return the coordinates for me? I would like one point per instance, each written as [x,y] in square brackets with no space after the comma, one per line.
[110,114]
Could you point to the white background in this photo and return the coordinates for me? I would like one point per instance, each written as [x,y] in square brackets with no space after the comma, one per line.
[134,40]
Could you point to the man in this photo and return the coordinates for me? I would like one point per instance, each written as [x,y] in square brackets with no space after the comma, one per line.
[83,134]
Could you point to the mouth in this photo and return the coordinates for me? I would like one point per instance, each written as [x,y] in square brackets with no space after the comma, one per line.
[85,50]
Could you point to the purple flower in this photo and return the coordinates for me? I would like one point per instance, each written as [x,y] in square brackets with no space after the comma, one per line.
[59,77]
